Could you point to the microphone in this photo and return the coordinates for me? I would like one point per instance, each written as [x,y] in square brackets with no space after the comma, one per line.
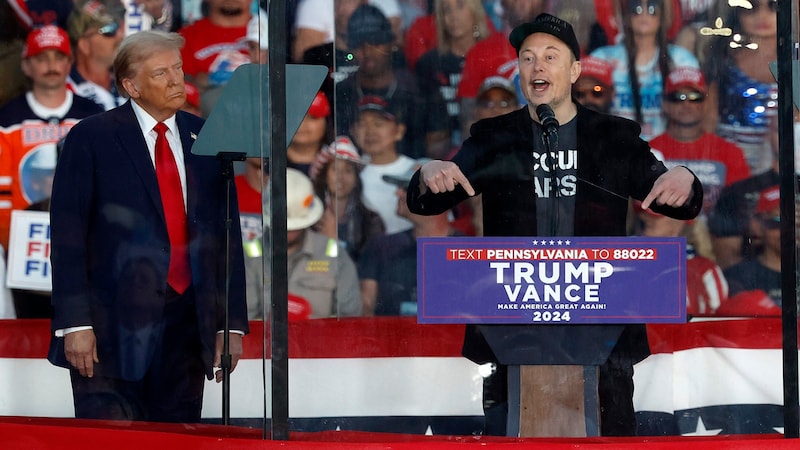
[548,118]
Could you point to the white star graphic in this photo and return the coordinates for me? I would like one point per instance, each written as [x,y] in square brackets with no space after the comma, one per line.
[702,431]
[552,242]
[535,242]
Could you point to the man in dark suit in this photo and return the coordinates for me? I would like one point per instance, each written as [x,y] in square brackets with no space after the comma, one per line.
[139,278]
[579,186]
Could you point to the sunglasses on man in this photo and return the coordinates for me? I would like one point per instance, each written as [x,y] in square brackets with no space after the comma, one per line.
[596,91]
[108,30]
[771,223]
[680,97]
[491,104]
[650,7]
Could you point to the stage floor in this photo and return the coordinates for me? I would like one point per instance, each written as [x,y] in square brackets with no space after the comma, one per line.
[47,433]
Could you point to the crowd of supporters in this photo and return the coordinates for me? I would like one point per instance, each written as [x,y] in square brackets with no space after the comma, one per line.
[406,80]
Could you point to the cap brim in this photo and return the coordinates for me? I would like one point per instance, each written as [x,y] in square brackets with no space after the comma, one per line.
[521,32]
[502,87]
[687,86]
[371,38]
[397,181]
[377,110]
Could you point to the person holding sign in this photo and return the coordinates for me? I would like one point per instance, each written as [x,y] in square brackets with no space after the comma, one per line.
[138,232]
[555,168]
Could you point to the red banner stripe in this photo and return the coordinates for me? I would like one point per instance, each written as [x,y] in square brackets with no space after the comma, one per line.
[374,337]
[387,337]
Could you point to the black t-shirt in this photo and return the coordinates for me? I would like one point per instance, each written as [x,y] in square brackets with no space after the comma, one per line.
[736,205]
[751,274]
[556,179]
[732,212]
[391,260]
[439,74]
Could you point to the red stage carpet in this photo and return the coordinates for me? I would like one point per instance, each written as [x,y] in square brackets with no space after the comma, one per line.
[64,434]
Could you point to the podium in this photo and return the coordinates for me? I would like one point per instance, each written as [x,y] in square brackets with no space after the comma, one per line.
[553,376]
[555,311]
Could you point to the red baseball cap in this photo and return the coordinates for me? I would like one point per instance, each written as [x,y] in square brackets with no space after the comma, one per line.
[685,78]
[755,303]
[320,107]
[769,199]
[298,307]
[46,38]
[598,69]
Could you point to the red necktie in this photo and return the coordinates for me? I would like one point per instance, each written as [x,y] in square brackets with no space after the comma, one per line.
[169,183]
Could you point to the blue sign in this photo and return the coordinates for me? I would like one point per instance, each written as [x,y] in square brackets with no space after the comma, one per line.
[559,280]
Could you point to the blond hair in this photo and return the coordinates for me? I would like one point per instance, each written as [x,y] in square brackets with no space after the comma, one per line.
[138,47]
[479,28]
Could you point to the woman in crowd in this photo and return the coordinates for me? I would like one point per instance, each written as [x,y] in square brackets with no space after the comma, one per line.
[459,25]
[312,134]
[337,182]
[742,90]
[642,61]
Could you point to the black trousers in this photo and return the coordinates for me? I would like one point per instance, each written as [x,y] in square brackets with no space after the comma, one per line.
[172,388]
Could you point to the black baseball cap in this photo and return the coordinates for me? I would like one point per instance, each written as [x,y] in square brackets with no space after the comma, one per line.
[550,24]
[378,105]
[368,25]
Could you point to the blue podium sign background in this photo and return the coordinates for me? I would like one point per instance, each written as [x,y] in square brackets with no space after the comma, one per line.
[572,280]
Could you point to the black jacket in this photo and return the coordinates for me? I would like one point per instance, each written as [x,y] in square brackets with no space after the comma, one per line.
[613,165]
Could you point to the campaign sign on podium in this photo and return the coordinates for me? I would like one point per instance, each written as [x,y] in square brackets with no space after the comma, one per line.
[559,280]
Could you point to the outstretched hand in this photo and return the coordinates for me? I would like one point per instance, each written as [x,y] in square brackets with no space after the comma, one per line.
[672,188]
[443,176]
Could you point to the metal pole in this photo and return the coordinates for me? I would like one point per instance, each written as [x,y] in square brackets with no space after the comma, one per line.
[279,329]
[788,189]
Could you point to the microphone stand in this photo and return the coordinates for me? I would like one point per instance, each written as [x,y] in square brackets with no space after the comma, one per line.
[549,123]
[226,160]
[547,133]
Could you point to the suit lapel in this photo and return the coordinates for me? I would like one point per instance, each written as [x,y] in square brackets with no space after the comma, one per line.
[131,140]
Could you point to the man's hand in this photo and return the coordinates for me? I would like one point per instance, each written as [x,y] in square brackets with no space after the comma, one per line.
[443,176]
[80,348]
[672,188]
[235,347]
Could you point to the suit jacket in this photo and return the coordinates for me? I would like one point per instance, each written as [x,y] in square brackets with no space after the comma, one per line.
[110,248]
[613,164]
